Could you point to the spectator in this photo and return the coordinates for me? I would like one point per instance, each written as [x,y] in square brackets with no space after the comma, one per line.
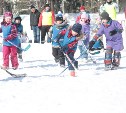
[111,8]
[102,8]
[34,19]
[46,20]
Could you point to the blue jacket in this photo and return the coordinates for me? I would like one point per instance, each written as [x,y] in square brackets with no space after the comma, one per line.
[6,32]
[55,31]
[68,42]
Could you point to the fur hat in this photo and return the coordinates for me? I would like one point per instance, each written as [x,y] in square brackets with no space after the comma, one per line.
[82,8]
[105,15]
[59,17]
[77,27]
[8,14]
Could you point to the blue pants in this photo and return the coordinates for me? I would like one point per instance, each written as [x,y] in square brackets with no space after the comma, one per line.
[36,33]
[75,63]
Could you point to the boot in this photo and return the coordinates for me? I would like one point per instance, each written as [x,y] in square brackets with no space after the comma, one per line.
[72,73]
[107,67]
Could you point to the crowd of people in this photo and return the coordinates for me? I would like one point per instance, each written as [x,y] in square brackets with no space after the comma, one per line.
[65,39]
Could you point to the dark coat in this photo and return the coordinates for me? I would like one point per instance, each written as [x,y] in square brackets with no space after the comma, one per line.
[34,18]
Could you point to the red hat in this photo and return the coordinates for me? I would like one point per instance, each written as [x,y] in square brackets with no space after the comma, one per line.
[82,8]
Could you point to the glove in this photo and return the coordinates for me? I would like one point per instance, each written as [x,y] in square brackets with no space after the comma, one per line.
[91,43]
[113,32]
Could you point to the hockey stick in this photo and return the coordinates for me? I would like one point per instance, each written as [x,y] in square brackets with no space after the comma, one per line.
[69,65]
[25,49]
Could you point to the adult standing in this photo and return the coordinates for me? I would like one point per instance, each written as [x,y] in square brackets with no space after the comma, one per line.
[46,20]
[111,8]
[102,8]
[34,19]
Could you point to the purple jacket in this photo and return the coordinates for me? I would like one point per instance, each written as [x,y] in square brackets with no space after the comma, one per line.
[86,30]
[115,41]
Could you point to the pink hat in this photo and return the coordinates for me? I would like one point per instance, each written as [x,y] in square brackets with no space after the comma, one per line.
[8,14]
[84,15]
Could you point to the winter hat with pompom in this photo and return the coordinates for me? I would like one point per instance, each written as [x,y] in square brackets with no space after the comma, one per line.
[59,17]
[77,28]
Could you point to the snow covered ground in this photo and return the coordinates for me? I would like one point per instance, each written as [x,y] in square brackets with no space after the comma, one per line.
[45,91]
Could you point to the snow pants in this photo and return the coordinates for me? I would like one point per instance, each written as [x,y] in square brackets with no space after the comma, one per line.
[12,52]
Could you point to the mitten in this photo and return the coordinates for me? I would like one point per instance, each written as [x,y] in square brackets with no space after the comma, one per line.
[113,32]
[91,43]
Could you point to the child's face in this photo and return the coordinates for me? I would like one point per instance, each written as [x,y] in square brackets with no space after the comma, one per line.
[59,22]
[83,19]
[8,19]
[17,21]
[74,33]
[104,21]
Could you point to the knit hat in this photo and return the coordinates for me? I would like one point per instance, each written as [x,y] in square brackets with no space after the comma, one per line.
[77,27]
[47,5]
[18,18]
[82,8]
[8,14]
[59,17]
[32,6]
[105,15]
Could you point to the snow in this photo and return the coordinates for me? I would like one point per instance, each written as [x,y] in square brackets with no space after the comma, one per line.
[45,91]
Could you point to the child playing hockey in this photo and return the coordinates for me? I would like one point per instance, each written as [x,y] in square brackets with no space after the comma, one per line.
[84,42]
[19,27]
[53,32]
[112,30]
[69,45]
[9,40]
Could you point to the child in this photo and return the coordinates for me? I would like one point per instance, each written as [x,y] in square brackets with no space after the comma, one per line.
[112,30]
[54,30]
[9,38]
[19,27]
[83,44]
[69,45]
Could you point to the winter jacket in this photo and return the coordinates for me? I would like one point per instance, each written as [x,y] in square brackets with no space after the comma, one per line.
[69,42]
[86,31]
[9,33]
[114,41]
[19,28]
[34,18]
[55,31]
